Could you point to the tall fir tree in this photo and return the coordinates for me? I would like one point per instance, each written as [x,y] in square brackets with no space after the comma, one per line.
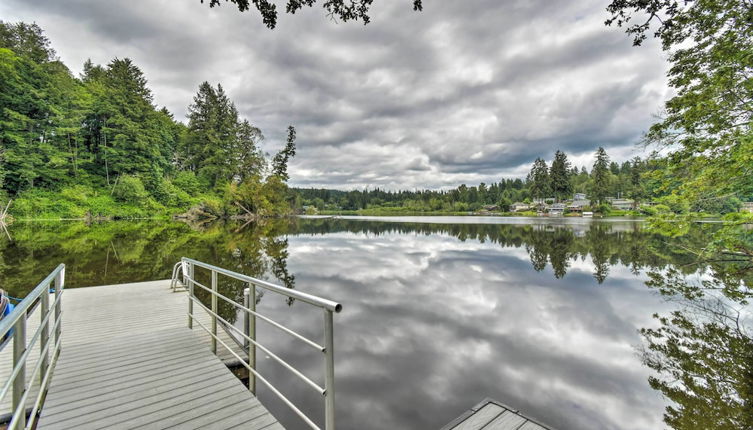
[559,176]
[210,145]
[538,179]
[636,186]
[600,177]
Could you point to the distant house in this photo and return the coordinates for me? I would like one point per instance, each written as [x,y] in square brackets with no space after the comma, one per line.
[578,205]
[579,196]
[747,207]
[557,209]
[519,207]
[623,204]
[491,208]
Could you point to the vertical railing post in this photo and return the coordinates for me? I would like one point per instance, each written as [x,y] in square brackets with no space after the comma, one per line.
[45,335]
[19,384]
[249,329]
[329,371]
[214,312]
[59,285]
[190,294]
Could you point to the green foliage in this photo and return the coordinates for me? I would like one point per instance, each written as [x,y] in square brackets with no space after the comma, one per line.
[673,203]
[28,40]
[702,353]
[103,132]
[280,161]
[169,195]
[703,357]
[708,121]
[79,201]
[639,179]
[602,208]
[600,176]
[341,9]
[218,146]
[187,182]
[130,189]
[559,175]
[538,180]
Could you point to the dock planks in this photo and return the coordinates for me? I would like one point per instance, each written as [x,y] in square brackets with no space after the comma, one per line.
[492,415]
[128,360]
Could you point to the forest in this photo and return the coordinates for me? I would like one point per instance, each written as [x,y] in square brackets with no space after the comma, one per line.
[97,146]
[640,180]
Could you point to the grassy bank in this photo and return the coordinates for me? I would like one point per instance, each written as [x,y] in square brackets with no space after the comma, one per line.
[83,202]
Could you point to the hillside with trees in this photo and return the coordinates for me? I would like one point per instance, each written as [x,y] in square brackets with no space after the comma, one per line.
[97,146]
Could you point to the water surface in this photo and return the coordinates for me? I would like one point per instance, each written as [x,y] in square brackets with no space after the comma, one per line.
[439,312]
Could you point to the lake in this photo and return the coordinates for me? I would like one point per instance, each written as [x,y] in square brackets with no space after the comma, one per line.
[439,312]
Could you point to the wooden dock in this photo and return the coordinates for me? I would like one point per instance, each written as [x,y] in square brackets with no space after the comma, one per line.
[128,360]
[492,415]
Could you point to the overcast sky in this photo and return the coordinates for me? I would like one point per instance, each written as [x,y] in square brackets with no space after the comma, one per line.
[464,92]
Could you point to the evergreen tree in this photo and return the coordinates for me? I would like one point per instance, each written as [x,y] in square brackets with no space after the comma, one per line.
[538,179]
[280,162]
[26,40]
[559,175]
[600,177]
[614,168]
[33,87]
[211,146]
[123,129]
[250,159]
[636,187]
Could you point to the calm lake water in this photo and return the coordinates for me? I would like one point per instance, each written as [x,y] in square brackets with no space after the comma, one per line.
[439,312]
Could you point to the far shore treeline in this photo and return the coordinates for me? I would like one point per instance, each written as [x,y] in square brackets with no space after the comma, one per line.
[97,146]
[639,180]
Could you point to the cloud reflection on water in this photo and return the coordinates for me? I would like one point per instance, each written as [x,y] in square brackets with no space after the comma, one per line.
[433,324]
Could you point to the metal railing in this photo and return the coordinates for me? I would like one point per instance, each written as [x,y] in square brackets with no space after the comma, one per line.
[13,328]
[248,334]
[175,283]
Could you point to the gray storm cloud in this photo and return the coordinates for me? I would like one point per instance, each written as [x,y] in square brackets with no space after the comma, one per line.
[467,91]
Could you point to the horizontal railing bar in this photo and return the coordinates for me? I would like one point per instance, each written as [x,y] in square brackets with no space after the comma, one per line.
[21,408]
[44,385]
[22,360]
[265,349]
[308,298]
[270,321]
[9,321]
[261,378]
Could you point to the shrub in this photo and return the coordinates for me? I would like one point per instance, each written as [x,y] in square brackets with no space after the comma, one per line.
[603,208]
[187,182]
[130,189]
[165,192]
[648,210]
[674,203]
[213,205]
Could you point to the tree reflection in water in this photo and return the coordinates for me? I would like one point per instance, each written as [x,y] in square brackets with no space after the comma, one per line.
[702,353]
